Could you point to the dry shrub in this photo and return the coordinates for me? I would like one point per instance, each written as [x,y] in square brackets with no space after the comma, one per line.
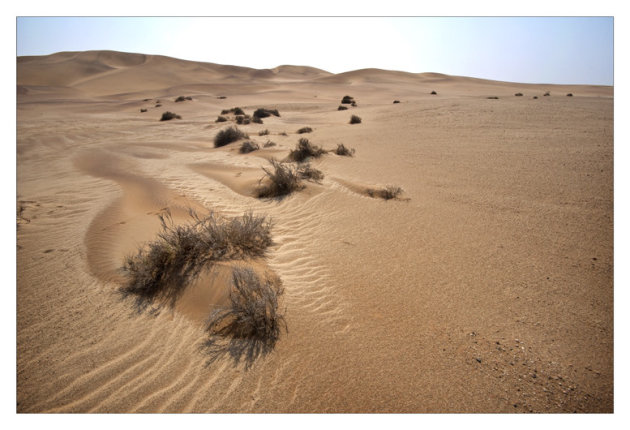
[342,150]
[305,171]
[342,107]
[263,132]
[143,110]
[167,116]
[248,147]
[264,113]
[182,98]
[228,135]
[283,179]
[269,144]
[346,100]
[222,97]
[493,98]
[519,94]
[251,324]
[242,119]
[234,110]
[305,149]
[221,119]
[396,101]
[569,95]
[355,120]
[546,94]
[387,193]
[257,120]
[304,130]
[433,93]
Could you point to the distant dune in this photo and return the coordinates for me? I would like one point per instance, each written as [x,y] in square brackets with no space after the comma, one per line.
[449,250]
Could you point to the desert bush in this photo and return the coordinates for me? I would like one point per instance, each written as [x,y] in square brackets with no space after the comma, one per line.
[342,150]
[167,116]
[158,105]
[251,324]
[163,268]
[247,147]
[221,119]
[257,120]
[355,120]
[242,119]
[234,110]
[305,149]
[269,144]
[143,110]
[535,97]
[304,130]
[353,104]
[264,113]
[283,179]
[493,98]
[518,94]
[222,97]
[228,135]
[569,95]
[346,100]
[305,171]
[433,93]
[387,193]
[342,108]
[546,94]
[180,99]
[396,101]
[145,100]
[264,132]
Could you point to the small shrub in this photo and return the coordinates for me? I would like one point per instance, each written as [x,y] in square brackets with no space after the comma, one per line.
[518,94]
[242,119]
[342,150]
[283,179]
[263,132]
[304,130]
[167,116]
[387,193]
[433,93]
[535,97]
[355,120]
[269,144]
[346,100]
[546,94]
[235,111]
[143,110]
[304,149]
[257,120]
[353,104]
[396,101]
[493,98]
[284,133]
[158,105]
[221,119]
[228,135]
[264,113]
[180,99]
[569,95]
[310,173]
[252,321]
[222,97]
[342,108]
[145,100]
[248,147]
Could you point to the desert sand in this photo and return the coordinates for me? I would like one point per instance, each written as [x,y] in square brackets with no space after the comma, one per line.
[487,286]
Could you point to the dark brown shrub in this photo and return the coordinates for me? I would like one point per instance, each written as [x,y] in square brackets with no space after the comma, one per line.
[342,150]
[304,130]
[396,101]
[342,108]
[228,135]
[387,193]
[346,100]
[304,149]
[167,116]
[221,119]
[283,179]
[263,132]
[355,120]
[247,147]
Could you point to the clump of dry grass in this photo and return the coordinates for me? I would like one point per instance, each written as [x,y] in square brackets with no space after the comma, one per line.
[264,113]
[221,119]
[342,107]
[257,120]
[143,110]
[228,135]
[248,147]
[167,116]
[387,193]
[546,94]
[162,269]
[242,119]
[433,93]
[569,95]
[234,110]
[396,101]
[304,130]
[346,100]
[344,151]
[519,94]
[493,98]
[263,132]
[252,322]
[304,150]
[305,171]
[355,120]
[182,98]
[282,179]
[269,144]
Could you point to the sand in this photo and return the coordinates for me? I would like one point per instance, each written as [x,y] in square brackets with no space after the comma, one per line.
[486,287]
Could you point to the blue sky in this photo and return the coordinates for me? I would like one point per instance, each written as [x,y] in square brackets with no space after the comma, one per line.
[568,50]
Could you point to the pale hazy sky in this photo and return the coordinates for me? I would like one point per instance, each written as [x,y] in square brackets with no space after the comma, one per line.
[560,50]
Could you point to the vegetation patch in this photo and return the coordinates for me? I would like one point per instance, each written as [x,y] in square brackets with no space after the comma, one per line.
[305,149]
[343,151]
[221,119]
[342,107]
[263,132]
[248,146]
[269,144]
[305,171]
[143,110]
[569,95]
[433,93]
[519,94]
[387,193]
[282,179]
[304,130]
[355,120]
[167,116]
[264,113]
[396,101]
[346,100]
[234,110]
[182,98]
[228,135]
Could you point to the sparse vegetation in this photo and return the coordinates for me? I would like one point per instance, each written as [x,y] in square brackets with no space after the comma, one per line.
[355,120]
[242,119]
[433,93]
[342,107]
[282,178]
[535,97]
[248,146]
[305,149]
[167,116]
[569,95]
[310,173]
[518,94]
[158,105]
[342,150]
[346,100]
[264,113]
[387,193]
[284,133]
[228,135]
[264,132]
[162,269]
[493,98]
[304,130]
[222,97]
[221,119]
[269,144]
[396,101]
[143,110]
[546,94]
[257,120]
[182,98]
[353,104]
[234,110]
[252,322]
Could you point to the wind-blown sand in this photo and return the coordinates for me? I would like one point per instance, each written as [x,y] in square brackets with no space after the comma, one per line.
[487,287]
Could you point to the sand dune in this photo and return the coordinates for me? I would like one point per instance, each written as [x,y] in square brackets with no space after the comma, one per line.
[486,286]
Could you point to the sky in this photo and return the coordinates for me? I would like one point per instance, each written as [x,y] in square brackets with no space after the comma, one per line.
[569,50]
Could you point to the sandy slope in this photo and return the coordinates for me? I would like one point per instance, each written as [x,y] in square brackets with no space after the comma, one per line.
[488,289]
